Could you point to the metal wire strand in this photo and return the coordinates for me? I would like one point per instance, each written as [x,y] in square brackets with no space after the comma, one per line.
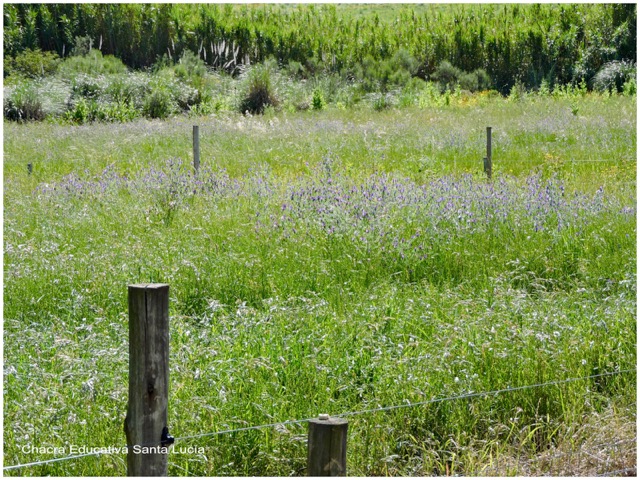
[346,414]
[52,460]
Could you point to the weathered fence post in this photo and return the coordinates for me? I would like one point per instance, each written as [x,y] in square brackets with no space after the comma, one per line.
[487,160]
[146,422]
[196,148]
[327,447]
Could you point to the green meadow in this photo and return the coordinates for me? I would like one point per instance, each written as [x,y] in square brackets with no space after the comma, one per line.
[332,261]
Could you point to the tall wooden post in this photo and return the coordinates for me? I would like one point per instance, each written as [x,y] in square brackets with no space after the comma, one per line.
[487,160]
[327,447]
[196,148]
[146,421]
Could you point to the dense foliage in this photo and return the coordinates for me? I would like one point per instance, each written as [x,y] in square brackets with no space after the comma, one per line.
[512,43]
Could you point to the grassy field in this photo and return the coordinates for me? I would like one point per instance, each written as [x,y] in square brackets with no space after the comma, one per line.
[332,261]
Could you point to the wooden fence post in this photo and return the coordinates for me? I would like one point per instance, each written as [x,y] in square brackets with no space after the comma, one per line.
[487,160]
[146,421]
[196,148]
[327,447]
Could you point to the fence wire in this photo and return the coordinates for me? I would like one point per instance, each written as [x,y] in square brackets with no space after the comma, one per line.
[346,414]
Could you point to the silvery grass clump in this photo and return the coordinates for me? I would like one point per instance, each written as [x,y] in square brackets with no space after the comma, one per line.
[613,76]
[36,99]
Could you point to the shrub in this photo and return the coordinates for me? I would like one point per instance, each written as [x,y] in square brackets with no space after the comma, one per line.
[92,63]
[430,96]
[190,68]
[55,95]
[403,60]
[295,70]
[367,73]
[613,75]
[80,113]
[318,102]
[260,92]
[88,86]
[120,112]
[629,88]
[185,96]
[127,88]
[518,91]
[82,45]
[484,80]
[35,99]
[158,104]
[382,75]
[401,68]
[22,102]
[85,111]
[32,64]
[447,76]
[544,89]
[209,106]
[382,101]
[469,81]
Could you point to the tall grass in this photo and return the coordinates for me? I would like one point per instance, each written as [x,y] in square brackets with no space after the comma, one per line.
[527,43]
[327,262]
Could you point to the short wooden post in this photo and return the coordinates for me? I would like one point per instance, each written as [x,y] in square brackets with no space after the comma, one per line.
[487,160]
[196,148]
[30,168]
[327,447]
[146,421]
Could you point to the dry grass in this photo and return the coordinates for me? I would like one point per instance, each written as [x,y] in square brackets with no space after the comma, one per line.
[603,445]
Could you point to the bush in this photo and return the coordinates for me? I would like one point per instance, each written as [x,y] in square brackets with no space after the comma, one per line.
[613,75]
[430,96]
[382,101]
[469,81]
[403,60]
[22,102]
[81,112]
[158,104]
[88,86]
[318,102]
[190,69]
[475,81]
[82,45]
[260,92]
[484,80]
[85,111]
[35,99]
[447,76]
[209,106]
[629,88]
[92,63]
[383,75]
[295,70]
[187,97]
[544,89]
[32,64]
[518,91]
[127,88]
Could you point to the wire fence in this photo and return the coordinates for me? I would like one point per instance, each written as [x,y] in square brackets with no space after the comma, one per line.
[123,449]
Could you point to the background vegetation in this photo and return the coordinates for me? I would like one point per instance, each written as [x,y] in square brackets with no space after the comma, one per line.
[526,43]
[88,62]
